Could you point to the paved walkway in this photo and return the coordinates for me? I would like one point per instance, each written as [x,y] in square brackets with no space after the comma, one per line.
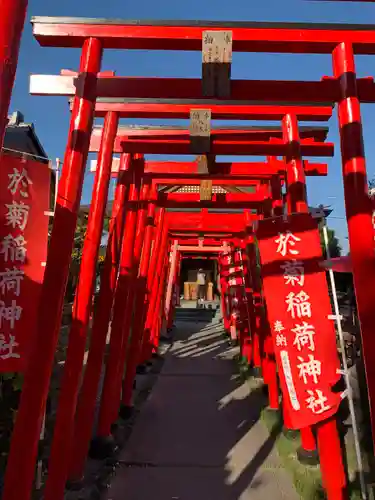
[199,437]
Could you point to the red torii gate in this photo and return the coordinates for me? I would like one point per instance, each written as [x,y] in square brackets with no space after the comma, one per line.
[240,200]
[283,37]
[96,35]
[298,197]
[252,310]
[211,242]
[180,179]
[177,182]
[106,416]
[308,440]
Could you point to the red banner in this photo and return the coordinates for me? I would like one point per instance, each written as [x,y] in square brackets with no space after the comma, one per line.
[24,199]
[299,311]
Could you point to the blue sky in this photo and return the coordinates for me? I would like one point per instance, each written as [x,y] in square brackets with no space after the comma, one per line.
[51,115]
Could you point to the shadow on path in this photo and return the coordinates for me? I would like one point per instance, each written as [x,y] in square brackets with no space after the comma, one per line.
[199,436]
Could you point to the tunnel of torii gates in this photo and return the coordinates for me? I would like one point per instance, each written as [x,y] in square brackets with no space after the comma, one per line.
[147,240]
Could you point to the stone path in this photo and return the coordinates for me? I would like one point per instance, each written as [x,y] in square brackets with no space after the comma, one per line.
[199,437]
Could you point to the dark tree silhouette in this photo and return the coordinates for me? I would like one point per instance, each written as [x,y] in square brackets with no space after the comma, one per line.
[333,244]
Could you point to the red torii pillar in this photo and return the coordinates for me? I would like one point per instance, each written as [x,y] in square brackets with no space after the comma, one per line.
[175,292]
[159,311]
[232,295]
[269,369]
[223,265]
[12,20]
[171,281]
[296,201]
[108,279]
[358,207]
[108,409]
[248,346]
[227,264]
[155,292]
[257,298]
[146,349]
[243,323]
[139,315]
[64,425]
[37,376]
[178,280]
[276,211]
[131,347]
[236,289]
[330,454]
[133,263]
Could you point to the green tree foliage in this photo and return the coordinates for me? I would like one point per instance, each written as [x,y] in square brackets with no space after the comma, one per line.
[10,390]
[333,244]
[79,237]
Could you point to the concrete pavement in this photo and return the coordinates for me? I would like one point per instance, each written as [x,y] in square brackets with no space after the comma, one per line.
[199,437]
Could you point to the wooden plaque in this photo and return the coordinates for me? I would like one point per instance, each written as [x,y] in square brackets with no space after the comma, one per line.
[216,63]
[200,130]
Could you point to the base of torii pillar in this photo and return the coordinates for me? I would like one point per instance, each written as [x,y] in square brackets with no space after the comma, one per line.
[308,457]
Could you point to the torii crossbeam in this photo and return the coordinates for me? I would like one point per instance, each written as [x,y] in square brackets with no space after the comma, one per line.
[292,92]
[238,170]
[256,142]
[314,38]
[220,110]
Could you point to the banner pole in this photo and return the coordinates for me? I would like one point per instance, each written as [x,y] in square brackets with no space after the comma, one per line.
[337,318]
